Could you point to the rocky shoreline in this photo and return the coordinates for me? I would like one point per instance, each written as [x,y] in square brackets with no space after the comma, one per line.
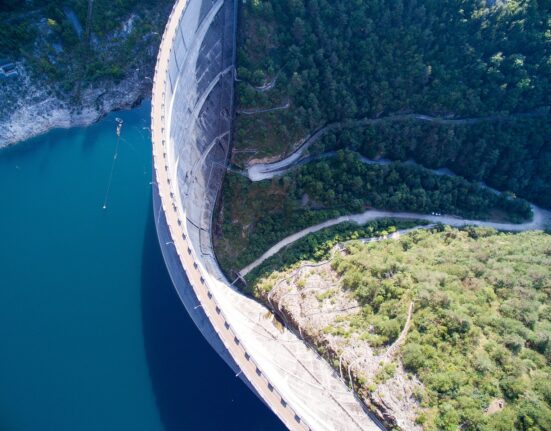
[38,109]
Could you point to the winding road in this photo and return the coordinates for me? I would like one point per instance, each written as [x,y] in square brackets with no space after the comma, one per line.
[264,171]
[263,110]
[541,219]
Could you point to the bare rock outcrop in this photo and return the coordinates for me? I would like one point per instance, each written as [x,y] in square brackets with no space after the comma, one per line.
[33,108]
[312,301]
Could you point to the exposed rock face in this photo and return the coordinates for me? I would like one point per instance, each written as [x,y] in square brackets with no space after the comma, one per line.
[33,109]
[312,300]
[73,70]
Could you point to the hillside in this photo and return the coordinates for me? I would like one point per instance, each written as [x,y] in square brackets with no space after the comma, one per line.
[253,216]
[480,70]
[475,351]
[75,60]
[440,110]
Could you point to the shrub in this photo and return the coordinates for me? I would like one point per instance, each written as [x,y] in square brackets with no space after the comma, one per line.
[413,357]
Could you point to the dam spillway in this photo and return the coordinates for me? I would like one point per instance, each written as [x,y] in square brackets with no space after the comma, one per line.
[192,111]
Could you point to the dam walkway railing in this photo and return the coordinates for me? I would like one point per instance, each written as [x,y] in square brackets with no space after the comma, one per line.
[184,248]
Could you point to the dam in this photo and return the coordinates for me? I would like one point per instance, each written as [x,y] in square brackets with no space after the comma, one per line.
[191,124]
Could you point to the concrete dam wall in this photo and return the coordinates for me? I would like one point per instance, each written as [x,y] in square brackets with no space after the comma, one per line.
[192,111]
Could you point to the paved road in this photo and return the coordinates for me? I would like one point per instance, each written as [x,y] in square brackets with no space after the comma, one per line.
[540,221]
[262,110]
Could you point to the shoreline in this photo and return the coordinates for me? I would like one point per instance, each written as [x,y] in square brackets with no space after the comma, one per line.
[33,118]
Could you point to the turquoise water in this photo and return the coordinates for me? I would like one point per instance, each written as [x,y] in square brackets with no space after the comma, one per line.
[92,335]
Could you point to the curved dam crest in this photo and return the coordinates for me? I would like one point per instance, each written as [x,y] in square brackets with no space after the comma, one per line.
[192,111]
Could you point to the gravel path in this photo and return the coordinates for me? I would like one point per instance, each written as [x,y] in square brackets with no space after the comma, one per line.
[264,171]
[262,110]
[540,221]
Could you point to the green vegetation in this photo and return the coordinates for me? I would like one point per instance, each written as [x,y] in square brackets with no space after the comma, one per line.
[255,216]
[339,60]
[69,52]
[317,246]
[345,181]
[527,171]
[481,326]
[482,318]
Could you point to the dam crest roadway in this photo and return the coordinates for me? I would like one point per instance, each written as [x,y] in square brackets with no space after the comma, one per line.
[192,111]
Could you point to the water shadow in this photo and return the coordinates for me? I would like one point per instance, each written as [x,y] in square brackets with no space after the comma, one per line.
[92,136]
[193,387]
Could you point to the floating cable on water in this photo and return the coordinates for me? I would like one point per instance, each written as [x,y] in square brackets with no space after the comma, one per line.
[119,127]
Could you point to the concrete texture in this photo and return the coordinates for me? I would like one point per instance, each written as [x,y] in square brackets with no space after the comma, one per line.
[192,109]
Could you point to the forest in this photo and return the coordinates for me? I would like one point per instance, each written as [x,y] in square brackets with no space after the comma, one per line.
[345,181]
[59,44]
[476,78]
[322,62]
[254,216]
[455,146]
[481,325]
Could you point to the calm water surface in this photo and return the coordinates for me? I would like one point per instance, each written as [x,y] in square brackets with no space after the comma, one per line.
[92,334]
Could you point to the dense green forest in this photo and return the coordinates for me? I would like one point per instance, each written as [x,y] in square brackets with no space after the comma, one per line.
[455,146]
[323,62]
[59,43]
[481,326]
[345,181]
[477,74]
[255,216]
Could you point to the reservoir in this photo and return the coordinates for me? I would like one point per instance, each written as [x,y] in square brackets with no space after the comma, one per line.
[92,334]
